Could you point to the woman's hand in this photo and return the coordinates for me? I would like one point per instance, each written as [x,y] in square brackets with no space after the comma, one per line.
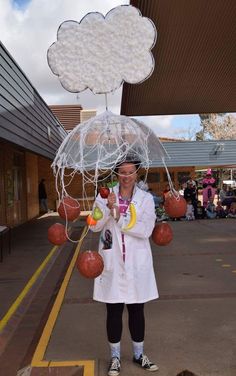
[111,200]
[114,209]
[115,212]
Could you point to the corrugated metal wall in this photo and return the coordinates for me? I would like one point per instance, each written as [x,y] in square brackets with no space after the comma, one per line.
[68,115]
[25,119]
[200,153]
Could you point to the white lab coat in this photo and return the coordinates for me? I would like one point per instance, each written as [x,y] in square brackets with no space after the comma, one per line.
[132,281]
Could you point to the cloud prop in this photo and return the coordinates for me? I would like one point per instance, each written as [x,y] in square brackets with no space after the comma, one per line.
[100,53]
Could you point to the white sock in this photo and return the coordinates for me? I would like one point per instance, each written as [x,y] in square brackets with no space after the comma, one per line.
[115,349]
[137,349]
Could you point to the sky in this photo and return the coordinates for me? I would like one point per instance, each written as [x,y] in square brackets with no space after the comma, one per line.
[27,30]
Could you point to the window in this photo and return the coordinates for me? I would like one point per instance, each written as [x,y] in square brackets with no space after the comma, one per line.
[172,176]
[154,177]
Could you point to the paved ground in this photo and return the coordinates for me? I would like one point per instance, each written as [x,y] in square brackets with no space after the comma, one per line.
[192,326]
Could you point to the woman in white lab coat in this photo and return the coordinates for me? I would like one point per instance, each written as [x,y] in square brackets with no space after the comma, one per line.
[128,275]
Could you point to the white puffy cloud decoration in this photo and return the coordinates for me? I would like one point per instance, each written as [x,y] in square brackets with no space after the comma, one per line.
[100,53]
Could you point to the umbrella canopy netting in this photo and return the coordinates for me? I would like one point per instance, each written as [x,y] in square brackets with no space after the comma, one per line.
[94,148]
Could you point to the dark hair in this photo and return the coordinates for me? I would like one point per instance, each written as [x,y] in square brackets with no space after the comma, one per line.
[186,373]
[132,159]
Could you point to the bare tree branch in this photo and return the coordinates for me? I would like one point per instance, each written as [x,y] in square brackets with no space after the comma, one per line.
[219,127]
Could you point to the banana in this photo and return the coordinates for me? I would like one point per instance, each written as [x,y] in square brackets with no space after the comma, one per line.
[133,217]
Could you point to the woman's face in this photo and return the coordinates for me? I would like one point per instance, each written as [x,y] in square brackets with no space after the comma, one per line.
[127,175]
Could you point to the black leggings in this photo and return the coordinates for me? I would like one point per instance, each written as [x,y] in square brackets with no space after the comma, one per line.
[114,321]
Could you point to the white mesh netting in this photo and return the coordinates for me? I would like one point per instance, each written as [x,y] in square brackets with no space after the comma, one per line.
[94,148]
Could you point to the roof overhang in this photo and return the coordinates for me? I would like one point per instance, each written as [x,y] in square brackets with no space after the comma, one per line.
[213,153]
[195,57]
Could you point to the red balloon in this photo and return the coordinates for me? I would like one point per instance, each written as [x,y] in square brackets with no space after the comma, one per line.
[90,264]
[69,209]
[162,234]
[175,207]
[57,234]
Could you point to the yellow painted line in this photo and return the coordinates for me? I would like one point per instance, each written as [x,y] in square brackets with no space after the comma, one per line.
[89,365]
[43,342]
[226,265]
[26,289]
[44,363]
[233,271]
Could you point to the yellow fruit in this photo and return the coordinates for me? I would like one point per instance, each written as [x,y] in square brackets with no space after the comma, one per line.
[133,218]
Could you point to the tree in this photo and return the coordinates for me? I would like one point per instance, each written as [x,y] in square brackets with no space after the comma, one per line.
[217,127]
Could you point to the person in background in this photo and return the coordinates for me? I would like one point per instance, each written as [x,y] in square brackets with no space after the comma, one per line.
[189,216]
[190,192]
[230,192]
[232,210]
[200,212]
[192,182]
[142,184]
[220,211]
[211,209]
[156,199]
[209,188]
[128,277]
[161,213]
[227,196]
[186,373]
[42,196]
[166,192]
[223,193]
[182,188]
[230,196]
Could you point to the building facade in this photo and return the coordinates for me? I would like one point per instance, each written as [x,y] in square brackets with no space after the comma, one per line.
[29,136]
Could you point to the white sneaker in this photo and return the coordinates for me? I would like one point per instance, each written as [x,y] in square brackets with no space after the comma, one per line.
[145,363]
[114,367]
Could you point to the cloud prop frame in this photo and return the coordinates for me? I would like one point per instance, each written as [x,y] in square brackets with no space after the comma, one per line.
[101,52]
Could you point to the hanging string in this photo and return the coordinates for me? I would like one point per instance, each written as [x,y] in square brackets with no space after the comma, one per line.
[106,101]
[172,189]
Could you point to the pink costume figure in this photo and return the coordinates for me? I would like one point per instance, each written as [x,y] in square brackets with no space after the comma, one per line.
[209,188]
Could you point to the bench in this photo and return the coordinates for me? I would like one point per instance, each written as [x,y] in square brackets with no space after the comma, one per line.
[4,230]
